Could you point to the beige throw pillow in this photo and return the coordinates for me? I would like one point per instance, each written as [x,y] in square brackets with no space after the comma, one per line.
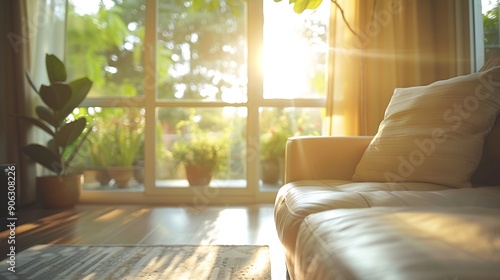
[434,133]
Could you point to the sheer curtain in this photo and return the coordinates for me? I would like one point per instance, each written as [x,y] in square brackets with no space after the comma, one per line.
[393,43]
[32,28]
[47,29]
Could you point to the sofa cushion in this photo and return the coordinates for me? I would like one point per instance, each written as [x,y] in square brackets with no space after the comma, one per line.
[488,171]
[400,243]
[297,200]
[434,133]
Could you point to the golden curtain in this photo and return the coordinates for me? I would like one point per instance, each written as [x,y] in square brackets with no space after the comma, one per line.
[393,43]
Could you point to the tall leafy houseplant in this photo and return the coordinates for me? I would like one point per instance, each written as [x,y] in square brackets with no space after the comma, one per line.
[60,98]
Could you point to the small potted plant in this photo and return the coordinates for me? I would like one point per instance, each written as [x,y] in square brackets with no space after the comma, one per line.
[202,153]
[116,146]
[100,152]
[61,190]
[272,154]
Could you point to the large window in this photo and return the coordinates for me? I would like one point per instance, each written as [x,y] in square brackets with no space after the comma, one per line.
[221,83]
[218,83]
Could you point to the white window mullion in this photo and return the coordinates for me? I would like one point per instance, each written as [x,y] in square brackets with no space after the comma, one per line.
[476,35]
[255,20]
[150,96]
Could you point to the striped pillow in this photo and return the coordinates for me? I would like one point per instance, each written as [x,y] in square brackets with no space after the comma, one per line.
[434,133]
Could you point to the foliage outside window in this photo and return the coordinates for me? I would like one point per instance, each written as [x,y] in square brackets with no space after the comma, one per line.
[201,52]
[491,26]
[106,42]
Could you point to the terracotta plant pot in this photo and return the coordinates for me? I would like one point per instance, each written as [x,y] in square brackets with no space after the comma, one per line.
[59,192]
[270,171]
[198,175]
[139,172]
[103,177]
[121,175]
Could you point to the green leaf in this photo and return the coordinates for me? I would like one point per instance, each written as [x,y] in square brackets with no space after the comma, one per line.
[38,123]
[120,30]
[75,150]
[300,6]
[32,85]
[44,157]
[79,90]
[70,132]
[56,95]
[45,114]
[197,4]
[52,146]
[213,5]
[55,69]
[313,4]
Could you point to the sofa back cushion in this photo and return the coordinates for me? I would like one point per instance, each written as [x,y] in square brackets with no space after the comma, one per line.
[488,171]
[434,133]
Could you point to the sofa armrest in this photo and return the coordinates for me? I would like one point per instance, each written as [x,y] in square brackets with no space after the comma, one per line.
[323,157]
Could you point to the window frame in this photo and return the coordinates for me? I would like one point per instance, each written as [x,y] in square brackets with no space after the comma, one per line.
[476,35]
[253,192]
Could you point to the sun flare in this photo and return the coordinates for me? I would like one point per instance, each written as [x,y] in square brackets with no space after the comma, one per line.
[287,52]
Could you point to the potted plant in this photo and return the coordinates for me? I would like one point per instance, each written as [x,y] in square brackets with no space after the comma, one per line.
[128,142]
[61,190]
[116,146]
[272,154]
[101,153]
[202,153]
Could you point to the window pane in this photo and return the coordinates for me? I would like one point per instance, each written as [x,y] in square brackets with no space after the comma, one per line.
[491,28]
[113,154]
[202,53]
[295,51]
[277,125]
[201,136]
[105,42]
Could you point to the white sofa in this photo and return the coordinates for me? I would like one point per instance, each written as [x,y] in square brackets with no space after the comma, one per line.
[318,245]
[354,207]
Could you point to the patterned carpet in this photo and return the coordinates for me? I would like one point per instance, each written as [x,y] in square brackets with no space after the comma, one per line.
[179,262]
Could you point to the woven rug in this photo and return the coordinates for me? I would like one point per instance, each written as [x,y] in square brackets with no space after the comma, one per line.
[54,262]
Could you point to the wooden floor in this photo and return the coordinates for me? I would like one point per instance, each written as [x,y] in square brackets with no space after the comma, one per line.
[138,224]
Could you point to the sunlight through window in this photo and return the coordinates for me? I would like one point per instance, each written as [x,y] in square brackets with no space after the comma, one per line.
[295,51]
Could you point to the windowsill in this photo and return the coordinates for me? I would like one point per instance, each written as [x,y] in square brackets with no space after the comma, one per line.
[178,184]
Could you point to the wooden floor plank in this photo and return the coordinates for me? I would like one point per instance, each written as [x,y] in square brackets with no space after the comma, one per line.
[140,224]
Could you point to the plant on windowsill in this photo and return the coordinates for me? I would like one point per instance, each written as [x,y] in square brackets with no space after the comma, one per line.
[100,151]
[272,154]
[116,146]
[66,135]
[202,153]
